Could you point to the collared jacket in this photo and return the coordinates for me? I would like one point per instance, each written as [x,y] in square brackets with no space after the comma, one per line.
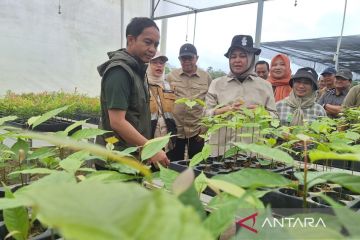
[188,121]
[227,90]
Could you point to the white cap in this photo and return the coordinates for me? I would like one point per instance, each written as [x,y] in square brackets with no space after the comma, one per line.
[160,55]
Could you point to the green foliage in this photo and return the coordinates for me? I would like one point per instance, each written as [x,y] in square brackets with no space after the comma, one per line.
[272,153]
[200,156]
[167,176]
[6,119]
[215,73]
[153,146]
[16,219]
[190,103]
[254,178]
[149,215]
[87,133]
[35,121]
[32,104]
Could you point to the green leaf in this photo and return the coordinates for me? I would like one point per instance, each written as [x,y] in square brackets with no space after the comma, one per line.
[109,176]
[231,152]
[16,219]
[122,168]
[223,214]
[87,133]
[206,151]
[228,187]
[181,100]
[91,148]
[153,146]
[267,151]
[43,152]
[86,170]
[352,135]
[73,162]
[33,171]
[253,178]
[204,154]
[349,181]
[190,198]
[200,182]
[348,219]
[46,116]
[148,214]
[52,179]
[129,150]
[200,102]
[316,155]
[167,176]
[6,203]
[5,152]
[264,162]
[20,145]
[6,119]
[73,126]
[196,159]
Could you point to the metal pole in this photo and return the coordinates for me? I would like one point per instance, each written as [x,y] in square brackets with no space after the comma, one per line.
[336,56]
[122,24]
[163,36]
[152,10]
[260,11]
[194,28]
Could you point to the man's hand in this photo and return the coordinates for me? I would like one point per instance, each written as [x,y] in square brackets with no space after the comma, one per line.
[161,158]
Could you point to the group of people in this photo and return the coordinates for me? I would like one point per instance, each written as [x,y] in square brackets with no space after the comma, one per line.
[137,99]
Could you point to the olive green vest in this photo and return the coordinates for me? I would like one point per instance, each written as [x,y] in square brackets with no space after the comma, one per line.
[138,112]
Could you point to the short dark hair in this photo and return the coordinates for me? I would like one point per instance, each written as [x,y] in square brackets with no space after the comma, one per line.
[138,24]
[263,62]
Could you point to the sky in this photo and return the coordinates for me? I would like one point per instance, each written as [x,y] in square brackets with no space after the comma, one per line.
[281,21]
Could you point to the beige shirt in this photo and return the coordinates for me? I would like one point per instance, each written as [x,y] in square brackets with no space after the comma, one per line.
[352,99]
[191,87]
[226,90]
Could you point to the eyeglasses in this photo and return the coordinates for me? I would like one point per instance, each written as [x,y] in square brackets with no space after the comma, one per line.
[186,58]
[158,62]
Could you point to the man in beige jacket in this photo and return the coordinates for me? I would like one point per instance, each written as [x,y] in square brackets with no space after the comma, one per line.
[192,83]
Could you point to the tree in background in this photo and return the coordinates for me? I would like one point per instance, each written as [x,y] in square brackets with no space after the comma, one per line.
[215,73]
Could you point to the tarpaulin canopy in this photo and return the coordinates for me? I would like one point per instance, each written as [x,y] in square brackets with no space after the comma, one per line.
[172,8]
[318,51]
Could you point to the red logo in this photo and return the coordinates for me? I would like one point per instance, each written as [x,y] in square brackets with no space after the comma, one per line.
[241,222]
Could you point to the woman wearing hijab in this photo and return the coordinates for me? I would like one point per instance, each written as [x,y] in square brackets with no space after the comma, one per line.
[300,105]
[240,88]
[161,99]
[280,74]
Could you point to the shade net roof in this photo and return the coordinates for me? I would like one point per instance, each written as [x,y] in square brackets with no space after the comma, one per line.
[319,51]
[171,8]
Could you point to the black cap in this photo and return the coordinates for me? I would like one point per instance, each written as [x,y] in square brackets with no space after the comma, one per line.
[328,70]
[187,50]
[344,73]
[244,42]
[308,73]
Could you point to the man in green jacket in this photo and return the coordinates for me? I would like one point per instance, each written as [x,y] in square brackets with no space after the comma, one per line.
[124,95]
